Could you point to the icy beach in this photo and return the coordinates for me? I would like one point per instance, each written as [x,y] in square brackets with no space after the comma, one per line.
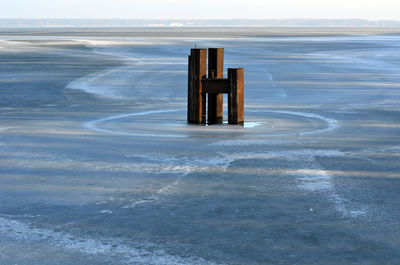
[98,165]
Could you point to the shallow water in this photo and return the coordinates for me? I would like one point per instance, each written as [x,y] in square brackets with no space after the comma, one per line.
[98,165]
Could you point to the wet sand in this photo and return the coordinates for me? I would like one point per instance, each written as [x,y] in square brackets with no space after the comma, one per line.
[98,165]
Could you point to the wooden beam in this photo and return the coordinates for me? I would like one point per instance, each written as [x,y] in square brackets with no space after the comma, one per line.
[216,86]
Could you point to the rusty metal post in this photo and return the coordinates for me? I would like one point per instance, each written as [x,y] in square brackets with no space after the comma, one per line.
[236,96]
[196,100]
[215,70]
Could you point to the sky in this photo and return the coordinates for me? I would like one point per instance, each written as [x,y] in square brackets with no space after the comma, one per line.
[201,9]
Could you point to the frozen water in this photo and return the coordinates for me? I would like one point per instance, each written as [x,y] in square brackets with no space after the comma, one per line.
[98,165]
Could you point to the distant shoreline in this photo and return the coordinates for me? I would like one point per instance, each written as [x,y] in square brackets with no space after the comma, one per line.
[193,32]
[189,23]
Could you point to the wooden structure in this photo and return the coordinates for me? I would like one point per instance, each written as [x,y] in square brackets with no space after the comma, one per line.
[215,85]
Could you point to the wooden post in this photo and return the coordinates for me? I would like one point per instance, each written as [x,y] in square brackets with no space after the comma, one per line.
[196,99]
[190,115]
[236,96]
[215,70]
[215,86]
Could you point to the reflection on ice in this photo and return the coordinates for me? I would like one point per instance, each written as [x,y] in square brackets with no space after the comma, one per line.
[251,124]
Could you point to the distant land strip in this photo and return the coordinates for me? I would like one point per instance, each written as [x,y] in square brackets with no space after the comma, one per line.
[197,23]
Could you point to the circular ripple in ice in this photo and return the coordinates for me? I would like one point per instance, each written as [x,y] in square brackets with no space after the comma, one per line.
[172,123]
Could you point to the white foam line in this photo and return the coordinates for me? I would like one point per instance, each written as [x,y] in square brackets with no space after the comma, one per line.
[6,128]
[111,247]
[93,125]
[390,149]
[332,124]
[258,142]
[291,154]
[115,54]
[7,108]
[141,61]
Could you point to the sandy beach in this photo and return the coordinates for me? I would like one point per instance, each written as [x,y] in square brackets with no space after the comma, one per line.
[98,164]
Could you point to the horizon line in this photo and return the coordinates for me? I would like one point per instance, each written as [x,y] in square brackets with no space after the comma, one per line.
[254,19]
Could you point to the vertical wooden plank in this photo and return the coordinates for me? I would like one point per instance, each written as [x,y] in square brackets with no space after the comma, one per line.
[215,70]
[202,74]
[197,72]
[190,109]
[240,96]
[219,72]
[216,62]
[236,96]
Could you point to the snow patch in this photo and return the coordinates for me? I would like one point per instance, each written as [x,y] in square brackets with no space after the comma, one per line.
[111,247]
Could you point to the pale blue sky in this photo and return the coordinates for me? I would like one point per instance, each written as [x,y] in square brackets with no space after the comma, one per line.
[366,9]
